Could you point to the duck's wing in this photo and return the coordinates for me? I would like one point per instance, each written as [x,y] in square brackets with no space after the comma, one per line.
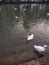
[31,36]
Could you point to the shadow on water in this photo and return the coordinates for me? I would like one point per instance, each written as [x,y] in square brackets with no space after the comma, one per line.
[27,42]
[39,55]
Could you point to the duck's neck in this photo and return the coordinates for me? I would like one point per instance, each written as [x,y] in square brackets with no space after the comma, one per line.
[45,46]
[27,36]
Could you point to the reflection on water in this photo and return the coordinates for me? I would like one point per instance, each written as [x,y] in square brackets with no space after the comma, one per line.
[16,21]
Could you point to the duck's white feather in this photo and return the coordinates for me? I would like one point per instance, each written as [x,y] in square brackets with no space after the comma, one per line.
[47,14]
[30,37]
[16,17]
[39,48]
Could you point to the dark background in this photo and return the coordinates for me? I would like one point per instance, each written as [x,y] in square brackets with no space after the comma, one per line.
[24,0]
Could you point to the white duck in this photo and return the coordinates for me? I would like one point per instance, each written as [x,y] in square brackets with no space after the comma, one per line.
[40,48]
[30,37]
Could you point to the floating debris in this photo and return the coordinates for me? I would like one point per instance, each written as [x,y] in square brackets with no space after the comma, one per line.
[47,14]
[40,7]
[15,8]
[16,17]
[24,9]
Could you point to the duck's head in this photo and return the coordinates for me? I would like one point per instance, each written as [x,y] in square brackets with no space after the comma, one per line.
[27,36]
[45,46]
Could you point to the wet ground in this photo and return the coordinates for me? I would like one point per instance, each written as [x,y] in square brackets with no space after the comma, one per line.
[16,21]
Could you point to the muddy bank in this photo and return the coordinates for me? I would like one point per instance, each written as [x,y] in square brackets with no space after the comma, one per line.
[19,58]
[40,61]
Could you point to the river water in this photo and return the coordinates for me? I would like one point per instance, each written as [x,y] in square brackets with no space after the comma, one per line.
[18,20]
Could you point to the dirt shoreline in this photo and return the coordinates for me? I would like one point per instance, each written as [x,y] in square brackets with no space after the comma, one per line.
[39,61]
[18,58]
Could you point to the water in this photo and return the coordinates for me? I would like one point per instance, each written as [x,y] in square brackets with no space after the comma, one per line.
[16,21]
